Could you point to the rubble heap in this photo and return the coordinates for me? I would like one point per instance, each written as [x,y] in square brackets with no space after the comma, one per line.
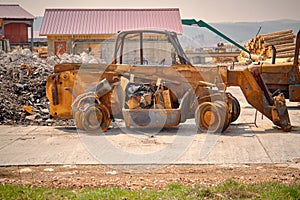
[23,86]
[70,58]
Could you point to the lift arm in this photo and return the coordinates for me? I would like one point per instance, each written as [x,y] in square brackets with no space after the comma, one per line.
[257,94]
[201,23]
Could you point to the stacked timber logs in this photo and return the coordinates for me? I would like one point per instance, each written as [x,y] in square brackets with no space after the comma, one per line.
[283,42]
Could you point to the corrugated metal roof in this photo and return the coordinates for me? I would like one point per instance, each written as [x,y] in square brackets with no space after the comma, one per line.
[14,11]
[108,21]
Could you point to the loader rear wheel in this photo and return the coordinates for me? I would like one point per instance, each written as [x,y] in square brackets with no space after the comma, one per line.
[96,118]
[210,117]
[236,108]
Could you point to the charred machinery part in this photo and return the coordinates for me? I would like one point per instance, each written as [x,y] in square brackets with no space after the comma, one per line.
[257,94]
[255,119]
[147,95]
[139,95]
[101,89]
[149,105]
[216,108]
[54,90]
[187,103]
[216,115]
[207,92]
[234,104]
[158,116]
[257,76]
[212,116]
[276,92]
[280,114]
[89,112]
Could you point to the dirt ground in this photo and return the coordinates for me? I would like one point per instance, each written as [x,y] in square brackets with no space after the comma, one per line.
[79,176]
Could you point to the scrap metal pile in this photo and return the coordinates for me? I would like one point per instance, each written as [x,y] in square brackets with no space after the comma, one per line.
[283,42]
[23,78]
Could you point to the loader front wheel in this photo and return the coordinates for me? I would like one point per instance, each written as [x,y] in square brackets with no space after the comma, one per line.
[209,117]
[96,118]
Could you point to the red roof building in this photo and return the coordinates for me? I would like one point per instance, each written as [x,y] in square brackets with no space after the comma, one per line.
[108,21]
[66,28]
[14,23]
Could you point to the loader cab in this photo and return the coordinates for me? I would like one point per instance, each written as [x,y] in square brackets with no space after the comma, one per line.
[148,47]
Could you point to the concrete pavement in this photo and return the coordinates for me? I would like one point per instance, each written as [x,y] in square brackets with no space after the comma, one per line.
[243,142]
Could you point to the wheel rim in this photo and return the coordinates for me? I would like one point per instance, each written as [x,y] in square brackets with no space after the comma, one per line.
[95,118]
[209,118]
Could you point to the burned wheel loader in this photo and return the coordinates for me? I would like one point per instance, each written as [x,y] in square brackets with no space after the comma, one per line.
[151,83]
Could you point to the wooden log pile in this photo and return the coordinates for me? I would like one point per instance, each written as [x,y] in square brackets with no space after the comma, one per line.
[42,51]
[283,41]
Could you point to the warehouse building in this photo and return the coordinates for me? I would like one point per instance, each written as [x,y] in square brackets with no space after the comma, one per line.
[93,30]
[15,23]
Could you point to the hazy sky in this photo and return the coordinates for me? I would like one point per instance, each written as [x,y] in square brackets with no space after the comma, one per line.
[207,10]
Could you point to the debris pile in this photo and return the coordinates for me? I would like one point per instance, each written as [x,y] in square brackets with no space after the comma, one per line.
[71,58]
[283,42]
[23,86]
[42,51]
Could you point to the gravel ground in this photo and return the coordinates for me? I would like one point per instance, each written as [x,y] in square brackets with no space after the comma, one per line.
[79,176]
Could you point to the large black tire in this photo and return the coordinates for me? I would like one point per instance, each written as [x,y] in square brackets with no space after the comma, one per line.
[236,108]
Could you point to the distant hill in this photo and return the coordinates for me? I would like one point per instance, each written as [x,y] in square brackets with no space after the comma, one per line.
[240,32]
